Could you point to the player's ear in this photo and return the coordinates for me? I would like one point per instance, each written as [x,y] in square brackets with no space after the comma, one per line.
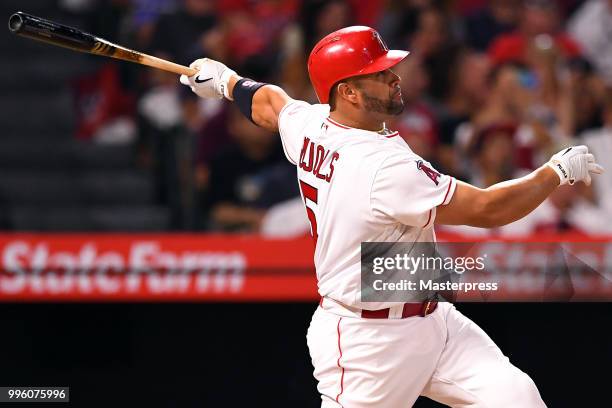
[347,91]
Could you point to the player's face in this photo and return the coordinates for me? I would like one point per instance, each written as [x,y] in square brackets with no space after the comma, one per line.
[381,93]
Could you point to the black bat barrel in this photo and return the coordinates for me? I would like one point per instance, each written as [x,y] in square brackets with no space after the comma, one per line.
[37,28]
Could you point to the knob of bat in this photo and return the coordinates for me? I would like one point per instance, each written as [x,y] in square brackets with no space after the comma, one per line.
[15,22]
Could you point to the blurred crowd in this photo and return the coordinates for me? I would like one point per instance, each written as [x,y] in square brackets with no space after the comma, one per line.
[491,90]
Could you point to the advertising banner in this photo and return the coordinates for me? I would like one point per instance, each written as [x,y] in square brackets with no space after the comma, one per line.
[201,267]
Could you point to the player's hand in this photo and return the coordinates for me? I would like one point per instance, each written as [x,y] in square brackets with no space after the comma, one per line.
[211,81]
[574,164]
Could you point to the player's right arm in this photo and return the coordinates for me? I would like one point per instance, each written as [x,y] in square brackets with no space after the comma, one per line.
[511,200]
[262,103]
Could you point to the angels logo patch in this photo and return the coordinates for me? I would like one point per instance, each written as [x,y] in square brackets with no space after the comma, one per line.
[431,173]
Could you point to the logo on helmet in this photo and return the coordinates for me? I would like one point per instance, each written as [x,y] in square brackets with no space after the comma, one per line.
[380,41]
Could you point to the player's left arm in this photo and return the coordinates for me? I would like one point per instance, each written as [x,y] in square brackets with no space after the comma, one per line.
[499,204]
[511,200]
[260,102]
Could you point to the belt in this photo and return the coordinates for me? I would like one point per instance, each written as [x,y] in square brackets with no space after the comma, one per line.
[408,310]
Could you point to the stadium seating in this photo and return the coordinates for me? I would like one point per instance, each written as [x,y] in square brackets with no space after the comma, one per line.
[49,180]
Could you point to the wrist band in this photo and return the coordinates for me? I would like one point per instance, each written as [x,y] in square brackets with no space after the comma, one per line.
[225,78]
[243,93]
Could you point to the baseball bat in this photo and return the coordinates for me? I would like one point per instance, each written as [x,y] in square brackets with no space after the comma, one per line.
[61,35]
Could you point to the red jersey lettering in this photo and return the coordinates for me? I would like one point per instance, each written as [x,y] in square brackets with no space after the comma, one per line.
[317,156]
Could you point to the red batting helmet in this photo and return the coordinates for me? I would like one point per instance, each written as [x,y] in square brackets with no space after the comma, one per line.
[348,52]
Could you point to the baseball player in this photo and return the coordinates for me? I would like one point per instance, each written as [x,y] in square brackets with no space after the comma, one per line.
[361,182]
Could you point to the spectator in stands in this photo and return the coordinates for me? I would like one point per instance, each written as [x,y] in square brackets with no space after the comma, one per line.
[104,18]
[319,18]
[584,90]
[105,110]
[538,17]
[551,105]
[247,178]
[493,156]
[496,18]
[433,41]
[416,124]
[566,93]
[164,143]
[160,104]
[175,35]
[253,29]
[401,19]
[468,91]
[212,137]
[511,94]
[590,26]
[316,19]
[599,142]
[476,116]
[143,18]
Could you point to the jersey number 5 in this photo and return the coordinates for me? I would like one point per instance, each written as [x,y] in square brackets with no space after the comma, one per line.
[310,193]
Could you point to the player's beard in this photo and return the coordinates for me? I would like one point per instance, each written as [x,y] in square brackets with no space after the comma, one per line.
[390,107]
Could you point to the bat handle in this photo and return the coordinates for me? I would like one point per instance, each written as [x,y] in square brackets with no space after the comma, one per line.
[167,65]
[183,70]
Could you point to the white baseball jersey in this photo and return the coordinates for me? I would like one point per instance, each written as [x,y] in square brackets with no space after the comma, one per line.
[358,186]
[365,186]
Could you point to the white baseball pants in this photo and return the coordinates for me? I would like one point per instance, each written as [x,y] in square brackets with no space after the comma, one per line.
[388,363]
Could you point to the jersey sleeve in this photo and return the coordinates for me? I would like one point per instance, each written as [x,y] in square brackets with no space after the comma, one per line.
[292,120]
[408,191]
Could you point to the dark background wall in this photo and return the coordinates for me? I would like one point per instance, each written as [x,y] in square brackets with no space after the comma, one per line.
[255,355]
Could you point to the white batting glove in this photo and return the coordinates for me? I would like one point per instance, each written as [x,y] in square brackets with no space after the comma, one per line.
[574,164]
[211,81]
